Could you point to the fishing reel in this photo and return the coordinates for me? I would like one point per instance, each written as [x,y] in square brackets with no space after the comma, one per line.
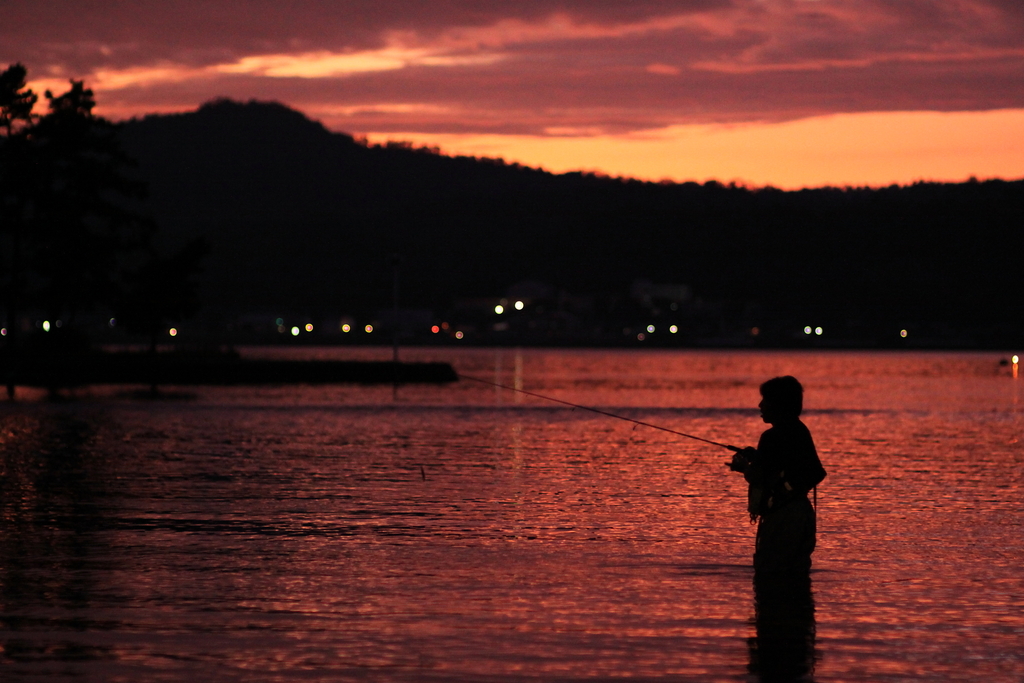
[741,459]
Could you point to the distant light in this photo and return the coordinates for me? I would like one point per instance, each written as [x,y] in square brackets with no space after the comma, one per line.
[58,323]
[309,327]
[295,331]
[3,331]
[346,328]
[650,329]
[519,305]
[112,322]
[444,326]
[435,329]
[279,322]
[807,330]
[499,309]
[459,335]
[903,333]
[368,329]
[1013,360]
[818,331]
[641,336]
[673,329]
[754,331]
[173,332]
[281,329]
[46,326]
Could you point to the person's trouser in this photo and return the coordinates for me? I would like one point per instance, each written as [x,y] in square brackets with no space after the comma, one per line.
[786,538]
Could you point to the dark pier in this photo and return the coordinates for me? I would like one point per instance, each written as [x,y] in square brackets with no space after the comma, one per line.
[73,370]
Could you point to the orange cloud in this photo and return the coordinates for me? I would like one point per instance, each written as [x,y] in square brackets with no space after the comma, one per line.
[329,65]
[663,69]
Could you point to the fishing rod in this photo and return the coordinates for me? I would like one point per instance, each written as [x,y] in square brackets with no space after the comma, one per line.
[601,412]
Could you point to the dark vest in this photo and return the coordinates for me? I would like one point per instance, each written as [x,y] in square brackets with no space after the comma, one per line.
[786,467]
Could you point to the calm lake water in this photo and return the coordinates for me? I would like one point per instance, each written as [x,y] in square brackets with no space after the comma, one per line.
[468,533]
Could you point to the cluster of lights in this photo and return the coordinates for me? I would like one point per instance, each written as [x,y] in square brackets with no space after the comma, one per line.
[650,329]
[435,329]
[47,325]
[458,334]
[500,308]
[294,330]
[345,327]
[816,330]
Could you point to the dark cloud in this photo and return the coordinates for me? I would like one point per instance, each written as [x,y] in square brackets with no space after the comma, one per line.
[173,29]
[535,66]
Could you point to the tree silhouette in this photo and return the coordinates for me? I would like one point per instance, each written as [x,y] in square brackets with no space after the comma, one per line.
[72,237]
[162,292]
[16,104]
[16,100]
[83,232]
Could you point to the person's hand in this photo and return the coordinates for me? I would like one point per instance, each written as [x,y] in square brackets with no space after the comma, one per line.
[741,459]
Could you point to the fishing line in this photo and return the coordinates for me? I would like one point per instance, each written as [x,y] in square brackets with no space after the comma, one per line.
[600,412]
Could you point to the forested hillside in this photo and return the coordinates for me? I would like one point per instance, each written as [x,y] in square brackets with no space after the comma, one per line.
[300,218]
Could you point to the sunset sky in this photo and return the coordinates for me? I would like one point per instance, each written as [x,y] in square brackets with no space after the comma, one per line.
[790,93]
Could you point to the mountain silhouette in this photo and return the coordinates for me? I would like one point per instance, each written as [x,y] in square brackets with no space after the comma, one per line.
[303,219]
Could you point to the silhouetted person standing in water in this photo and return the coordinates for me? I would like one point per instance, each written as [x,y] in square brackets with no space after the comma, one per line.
[780,472]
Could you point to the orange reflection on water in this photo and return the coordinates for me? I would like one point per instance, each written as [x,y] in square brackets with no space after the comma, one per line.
[465,533]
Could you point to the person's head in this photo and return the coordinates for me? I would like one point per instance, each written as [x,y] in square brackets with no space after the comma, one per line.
[782,398]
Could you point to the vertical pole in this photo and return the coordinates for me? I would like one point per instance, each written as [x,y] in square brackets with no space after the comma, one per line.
[396,261]
[12,301]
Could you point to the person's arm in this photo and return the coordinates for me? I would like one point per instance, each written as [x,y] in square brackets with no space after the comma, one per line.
[804,471]
[743,459]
